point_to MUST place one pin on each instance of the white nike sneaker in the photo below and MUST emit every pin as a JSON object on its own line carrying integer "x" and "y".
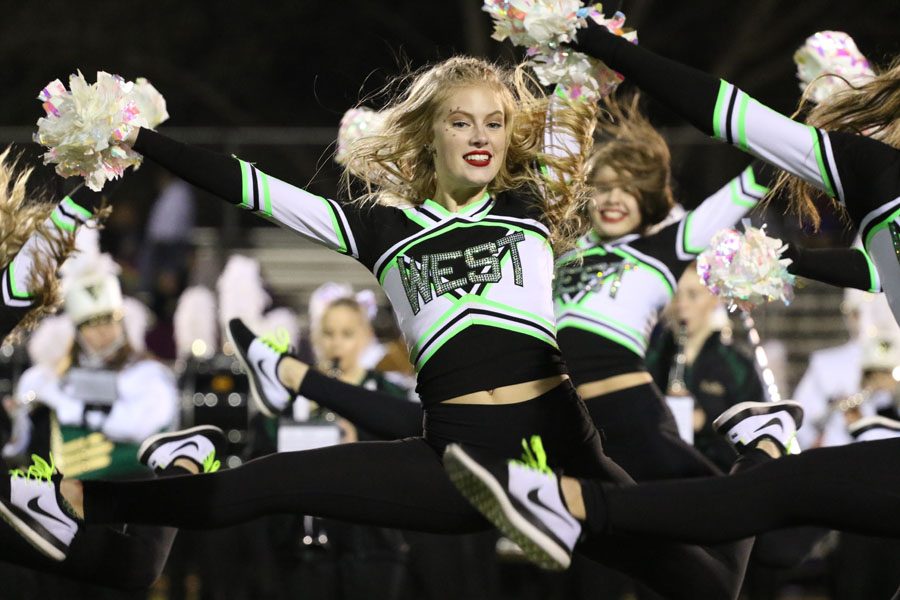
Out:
{"x": 260, "y": 357}
{"x": 34, "y": 507}
{"x": 198, "y": 444}
{"x": 521, "y": 498}
{"x": 747, "y": 423}
{"x": 870, "y": 429}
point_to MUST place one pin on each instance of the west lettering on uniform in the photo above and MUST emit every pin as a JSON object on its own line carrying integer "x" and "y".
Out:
{"x": 433, "y": 274}
{"x": 578, "y": 278}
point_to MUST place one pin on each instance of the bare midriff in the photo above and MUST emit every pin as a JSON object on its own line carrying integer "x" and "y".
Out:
{"x": 511, "y": 394}
{"x": 610, "y": 385}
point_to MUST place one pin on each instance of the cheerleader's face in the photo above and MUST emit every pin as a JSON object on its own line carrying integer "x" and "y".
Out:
{"x": 469, "y": 144}
{"x": 694, "y": 304}
{"x": 343, "y": 336}
{"x": 98, "y": 335}
{"x": 614, "y": 211}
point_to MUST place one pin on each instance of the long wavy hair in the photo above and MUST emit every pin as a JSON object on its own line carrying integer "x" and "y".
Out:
{"x": 23, "y": 214}
{"x": 637, "y": 153}
{"x": 396, "y": 167}
{"x": 871, "y": 109}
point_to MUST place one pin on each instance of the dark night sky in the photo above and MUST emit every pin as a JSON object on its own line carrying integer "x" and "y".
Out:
{"x": 303, "y": 63}
{"x": 229, "y": 63}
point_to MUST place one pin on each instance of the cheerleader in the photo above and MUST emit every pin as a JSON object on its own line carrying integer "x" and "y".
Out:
{"x": 852, "y": 488}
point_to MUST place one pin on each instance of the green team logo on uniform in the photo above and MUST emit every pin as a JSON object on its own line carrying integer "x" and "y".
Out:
{"x": 438, "y": 274}
{"x": 573, "y": 281}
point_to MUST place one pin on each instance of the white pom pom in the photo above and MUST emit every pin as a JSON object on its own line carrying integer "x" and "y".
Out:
{"x": 150, "y": 104}
{"x": 542, "y": 26}
{"x": 196, "y": 329}
{"x": 241, "y": 293}
{"x": 86, "y": 128}
{"x": 532, "y": 23}
{"x": 51, "y": 341}
{"x": 356, "y": 123}
{"x": 136, "y": 320}
{"x": 746, "y": 269}
{"x": 830, "y": 53}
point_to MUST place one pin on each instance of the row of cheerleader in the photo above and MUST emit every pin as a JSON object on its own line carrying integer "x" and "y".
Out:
{"x": 527, "y": 240}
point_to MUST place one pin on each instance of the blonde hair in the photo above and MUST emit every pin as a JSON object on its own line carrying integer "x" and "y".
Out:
{"x": 396, "y": 166}
{"x": 23, "y": 215}
{"x": 871, "y": 109}
{"x": 639, "y": 155}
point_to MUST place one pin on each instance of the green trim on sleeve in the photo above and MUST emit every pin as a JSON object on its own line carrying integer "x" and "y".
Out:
{"x": 721, "y": 101}
{"x": 753, "y": 184}
{"x": 76, "y": 208}
{"x": 686, "y": 238}
{"x": 267, "y": 198}
{"x": 342, "y": 246}
{"x": 18, "y": 294}
{"x": 246, "y": 183}
{"x": 823, "y": 173}
{"x": 874, "y": 280}
{"x": 737, "y": 198}
{"x": 60, "y": 222}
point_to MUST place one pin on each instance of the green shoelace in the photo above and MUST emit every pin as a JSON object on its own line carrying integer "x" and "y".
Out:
{"x": 211, "y": 464}
{"x": 534, "y": 456}
{"x": 40, "y": 469}
{"x": 278, "y": 340}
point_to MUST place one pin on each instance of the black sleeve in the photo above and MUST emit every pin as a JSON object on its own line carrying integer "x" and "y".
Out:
{"x": 216, "y": 173}
{"x": 345, "y": 228}
{"x": 841, "y": 267}
{"x": 860, "y": 171}
{"x": 687, "y": 91}
{"x": 384, "y": 415}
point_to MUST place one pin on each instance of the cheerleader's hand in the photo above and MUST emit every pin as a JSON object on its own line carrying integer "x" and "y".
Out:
{"x": 591, "y": 39}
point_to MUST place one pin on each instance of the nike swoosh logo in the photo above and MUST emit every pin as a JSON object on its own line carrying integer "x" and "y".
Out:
{"x": 35, "y": 507}
{"x": 186, "y": 444}
{"x": 533, "y": 497}
{"x": 772, "y": 421}
{"x": 259, "y": 367}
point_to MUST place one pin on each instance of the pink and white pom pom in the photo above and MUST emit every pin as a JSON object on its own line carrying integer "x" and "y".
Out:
{"x": 746, "y": 269}
{"x": 830, "y": 53}
{"x": 542, "y": 26}
{"x": 150, "y": 104}
{"x": 356, "y": 124}
{"x": 87, "y": 127}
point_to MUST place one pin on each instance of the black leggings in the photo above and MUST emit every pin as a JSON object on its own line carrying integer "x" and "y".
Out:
{"x": 641, "y": 436}
{"x": 398, "y": 484}
{"x": 402, "y": 484}
{"x": 852, "y": 488}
